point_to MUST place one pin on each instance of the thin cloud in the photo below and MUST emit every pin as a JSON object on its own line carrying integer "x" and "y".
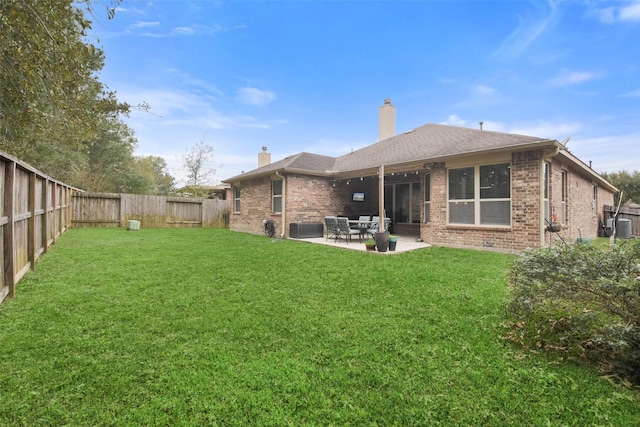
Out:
{"x": 484, "y": 90}
{"x": 598, "y": 150}
{"x": 254, "y": 96}
{"x": 527, "y": 31}
{"x": 545, "y": 129}
{"x": 145, "y": 24}
{"x": 629, "y": 12}
{"x": 632, "y": 94}
{"x": 183, "y": 31}
{"x": 568, "y": 77}
{"x": 454, "y": 120}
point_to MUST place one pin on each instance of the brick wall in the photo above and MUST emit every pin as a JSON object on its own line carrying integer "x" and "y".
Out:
{"x": 307, "y": 199}
{"x": 310, "y": 199}
{"x": 527, "y": 212}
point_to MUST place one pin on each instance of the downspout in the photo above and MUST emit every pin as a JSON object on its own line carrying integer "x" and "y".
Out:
{"x": 542, "y": 225}
{"x": 284, "y": 210}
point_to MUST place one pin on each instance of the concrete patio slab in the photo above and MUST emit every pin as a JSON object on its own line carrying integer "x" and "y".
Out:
{"x": 405, "y": 244}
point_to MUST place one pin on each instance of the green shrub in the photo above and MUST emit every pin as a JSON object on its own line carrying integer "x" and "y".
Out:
{"x": 580, "y": 301}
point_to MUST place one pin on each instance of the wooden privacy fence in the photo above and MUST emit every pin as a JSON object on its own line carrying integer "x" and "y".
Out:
{"x": 632, "y": 215}
{"x": 115, "y": 210}
{"x": 35, "y": 211}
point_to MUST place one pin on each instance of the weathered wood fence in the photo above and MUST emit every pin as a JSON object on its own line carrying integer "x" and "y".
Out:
{"x": 625, "y": 213}
{"x": 35, "y": 210}
{"x": 115, "y": 210}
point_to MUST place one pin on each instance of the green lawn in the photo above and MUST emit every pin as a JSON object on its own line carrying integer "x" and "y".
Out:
{"x": 210, "y": 327}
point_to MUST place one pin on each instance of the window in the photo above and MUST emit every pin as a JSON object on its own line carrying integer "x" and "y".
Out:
{"x": 427, "y": 197}
{"x": 461, "y": 196}
{"x": 236, "y": 199}
{"x": 276, "y": 196}
{"x": 480, "y": 195}
{"x": 547, "y": 208}
{"x": 563, "y": 206}
{"x": 594, "y": 202}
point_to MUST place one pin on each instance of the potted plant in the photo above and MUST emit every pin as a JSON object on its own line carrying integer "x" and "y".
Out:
{"x": 382, "y": 240}
{"x": 370, "y": 244}
{"x": 393, "y": 240}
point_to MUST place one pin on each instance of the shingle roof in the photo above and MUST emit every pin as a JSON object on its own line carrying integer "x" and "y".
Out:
{"x": 428, "y": 142}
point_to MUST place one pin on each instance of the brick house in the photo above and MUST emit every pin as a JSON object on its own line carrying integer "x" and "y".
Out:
{"x": 449, "y": 186}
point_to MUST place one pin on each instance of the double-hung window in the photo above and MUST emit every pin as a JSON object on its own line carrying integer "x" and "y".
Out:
{"x": 276, "y": 196}
{"x": 547, "y": 184}
{"x": 563, "y": 206}
{"x": 236, "y": 199}
{"x": 480, "y": 195}
{"x": 427, "y": 198}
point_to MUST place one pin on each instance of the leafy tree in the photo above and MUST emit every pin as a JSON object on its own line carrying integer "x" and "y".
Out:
{"x": 199, "y": 163}
{"x": 51, "y": 101}
{"x": 153, "y": 170}
{"x": 629, "y": 183}
{"x": 108, "y": 160}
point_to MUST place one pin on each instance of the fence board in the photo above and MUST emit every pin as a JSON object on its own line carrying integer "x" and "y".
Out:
{"x": 625, "y": 213}
{"x": 115, "y": 210}
{"x": 31, "y": 218}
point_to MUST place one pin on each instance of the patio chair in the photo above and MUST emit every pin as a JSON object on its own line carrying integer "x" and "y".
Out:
{"x": 332, "y": 227}
{"x": 373, "y": 229}
{"x": 363, "y": 221}
{"x": 345, "y": 230}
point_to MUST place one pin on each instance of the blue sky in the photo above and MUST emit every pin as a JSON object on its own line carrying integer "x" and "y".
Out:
{"x": 310, "y": 75}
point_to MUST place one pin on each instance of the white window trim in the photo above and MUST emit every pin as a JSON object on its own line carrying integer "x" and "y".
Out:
{"x": 276, "y": 196}
{"x": 477, "y": 200}
{"x": 237, "y": 199}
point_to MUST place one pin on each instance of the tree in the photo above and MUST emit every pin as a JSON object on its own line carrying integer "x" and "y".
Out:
{"x": 153, "y": 170}
{"x": 199, "y": 163}
{"x": 108, "y": 160}
{"x": 628, "y": 183}
{"x": 51, "y": 100}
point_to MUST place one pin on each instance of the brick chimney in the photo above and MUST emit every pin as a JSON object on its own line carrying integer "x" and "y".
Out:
{"x": 264, "y": 158}
{"x": 386, "y": 120}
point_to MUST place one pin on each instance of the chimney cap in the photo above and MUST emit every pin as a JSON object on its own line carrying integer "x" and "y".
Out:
{"x": 264, "y": 148}
{"x": 387, "y": 101}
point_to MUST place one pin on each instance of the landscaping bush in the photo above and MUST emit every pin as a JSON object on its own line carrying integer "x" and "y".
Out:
{"x": 580, "y": 302}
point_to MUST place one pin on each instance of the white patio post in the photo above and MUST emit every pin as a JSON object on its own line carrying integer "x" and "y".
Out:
{"x": 381, "y": 198}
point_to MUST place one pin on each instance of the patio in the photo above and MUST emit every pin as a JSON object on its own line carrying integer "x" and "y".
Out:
{"x": 405, "y": 244}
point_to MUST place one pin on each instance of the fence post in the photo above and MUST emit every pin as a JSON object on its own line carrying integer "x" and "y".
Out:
{"x": 31, "y": 244}
{"x": 9, "y": 197}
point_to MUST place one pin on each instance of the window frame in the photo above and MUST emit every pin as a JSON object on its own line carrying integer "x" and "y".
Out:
{"x": 237, "y": 197}
{"x": 276, "y": 199}
{"x": 470, "y": 209}
{"x": 546, "y": 186}
{"x": 563, "y": 198}
{"x": 427, "y": 198}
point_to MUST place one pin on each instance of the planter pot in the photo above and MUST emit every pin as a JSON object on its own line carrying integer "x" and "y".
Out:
{"x": 554, "y": 227}
{"x": 382, "y": 241}
{"x": 371, "y": 247}
{"x": 392, "y": 244}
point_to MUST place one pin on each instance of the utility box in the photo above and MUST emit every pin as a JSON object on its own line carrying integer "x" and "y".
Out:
{"x": 305, "y": 230}
{"x": 133, "y": 225}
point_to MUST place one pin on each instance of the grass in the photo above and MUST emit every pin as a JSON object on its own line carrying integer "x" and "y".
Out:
{"x": 210, "y": 327}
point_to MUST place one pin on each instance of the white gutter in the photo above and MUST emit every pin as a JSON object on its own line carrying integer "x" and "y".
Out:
{"x": 284, "y": 210}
